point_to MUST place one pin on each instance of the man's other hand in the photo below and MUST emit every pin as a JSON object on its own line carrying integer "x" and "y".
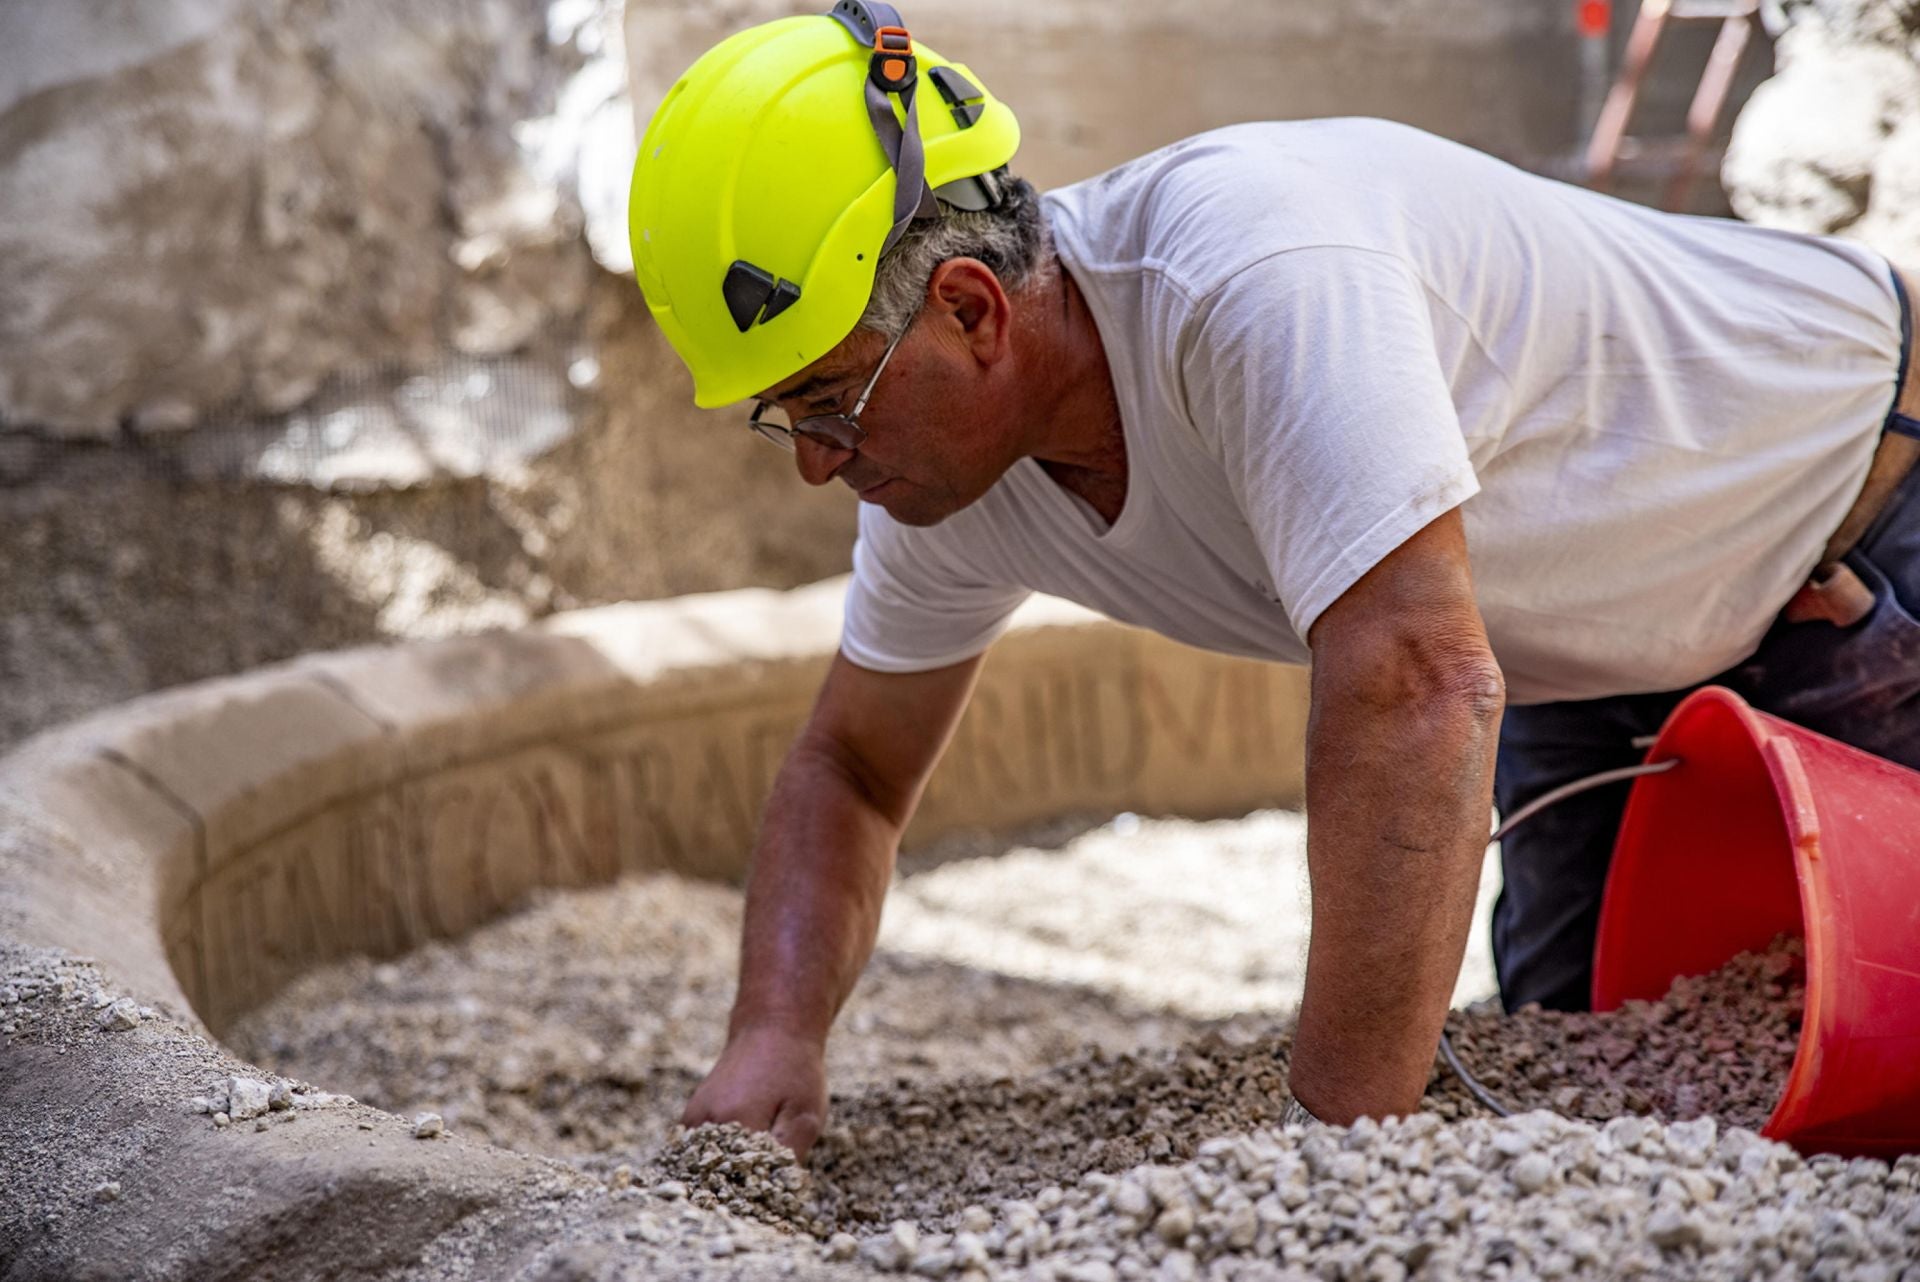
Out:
{"x": 767, "y": 1080}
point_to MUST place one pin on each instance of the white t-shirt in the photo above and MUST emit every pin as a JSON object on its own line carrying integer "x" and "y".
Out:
{"x": 1325, "y": 334}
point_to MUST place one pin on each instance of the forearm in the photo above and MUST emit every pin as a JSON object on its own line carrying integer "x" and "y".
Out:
{"x": 1398, "y": 794}
{"x": 820, "y": 874}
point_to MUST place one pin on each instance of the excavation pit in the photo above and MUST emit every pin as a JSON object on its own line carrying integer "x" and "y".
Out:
{"x": 577, "y": 1030}
{"x": 427, "y": 836}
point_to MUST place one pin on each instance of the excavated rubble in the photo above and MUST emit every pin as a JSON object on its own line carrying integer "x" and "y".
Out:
{"x": 924, "y": 1154}
{"x": 1535, "y": 1195}
{"x": 1153, "y": 1152}
{"x": 1716, "y": 1045}
{"x": 579, "y": 1027}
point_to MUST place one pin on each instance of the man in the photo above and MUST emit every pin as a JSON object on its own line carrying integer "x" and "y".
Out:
{"x": 1516, "y": 464}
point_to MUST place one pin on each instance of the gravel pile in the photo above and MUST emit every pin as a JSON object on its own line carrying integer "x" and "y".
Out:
{"x": 579, "y": 1027}
{"x": 924, "y": 1153}
{"x": 747, "y": 1172}
{"x": 986, "y": 1126}
{"x": 1536, "y": 1195}
{"x": 1716, "y": 1045}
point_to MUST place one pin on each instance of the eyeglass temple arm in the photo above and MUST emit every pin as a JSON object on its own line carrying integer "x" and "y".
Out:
{"x": 867, "y": 392}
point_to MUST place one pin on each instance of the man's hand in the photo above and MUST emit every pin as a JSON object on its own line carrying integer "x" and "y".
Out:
{"x": 1407, "y": 702}
{"x": 842, "y": 797}
{"x": 767, "y": 1080}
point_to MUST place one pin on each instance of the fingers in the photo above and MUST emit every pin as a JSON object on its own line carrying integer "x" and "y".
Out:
{"x": 797, "y": 1126}
{"x": 792, "y": 1123}
{"x": 774, "y": 1083}
{"x": 712, "y": 1103}
{"x": 696, "y": 1112}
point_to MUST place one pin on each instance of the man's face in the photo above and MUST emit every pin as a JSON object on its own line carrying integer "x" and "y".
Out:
{"x": 936, "y": 436}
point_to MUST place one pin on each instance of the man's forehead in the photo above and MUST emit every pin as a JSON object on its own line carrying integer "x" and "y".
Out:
{"x": 845, "y": 361}
{"x": 822, "y": 373}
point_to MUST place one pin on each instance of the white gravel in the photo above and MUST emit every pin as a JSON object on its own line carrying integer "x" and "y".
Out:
{"x": 1536, "y": 1195}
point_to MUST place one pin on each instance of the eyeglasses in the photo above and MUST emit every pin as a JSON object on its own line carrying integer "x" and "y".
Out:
{"x": 835, "y": 431}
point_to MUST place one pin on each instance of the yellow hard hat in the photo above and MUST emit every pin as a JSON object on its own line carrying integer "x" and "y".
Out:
{"x": 779, "y": 168}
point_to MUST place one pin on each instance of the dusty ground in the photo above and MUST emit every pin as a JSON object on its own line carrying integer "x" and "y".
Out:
{"x": 1051, "y": 1111}
{"x": 580, "y": 1026}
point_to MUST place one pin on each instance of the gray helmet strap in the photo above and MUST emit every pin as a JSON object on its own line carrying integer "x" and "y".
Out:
{"x": 913, "y": 199}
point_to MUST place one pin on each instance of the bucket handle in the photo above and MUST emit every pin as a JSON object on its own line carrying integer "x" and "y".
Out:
{"x": 1565, "y": 790}
{"x": 1508, "y": 824}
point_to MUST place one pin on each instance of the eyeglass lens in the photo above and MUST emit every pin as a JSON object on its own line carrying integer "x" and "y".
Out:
{"x": 836, "y": 431}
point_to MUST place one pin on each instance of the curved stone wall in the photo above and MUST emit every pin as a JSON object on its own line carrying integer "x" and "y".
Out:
{"x": 203, "y": 846}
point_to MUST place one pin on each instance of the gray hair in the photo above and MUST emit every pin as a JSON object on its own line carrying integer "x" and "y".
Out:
{"x": 1009, "y": 236}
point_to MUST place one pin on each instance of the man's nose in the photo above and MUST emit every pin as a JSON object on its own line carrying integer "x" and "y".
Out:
{"x": 818, "y": 463}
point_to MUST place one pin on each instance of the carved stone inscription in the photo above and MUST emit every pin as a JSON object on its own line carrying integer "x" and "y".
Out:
{"x": 1124, "y": 721}
{"x": 1146, "y": 725}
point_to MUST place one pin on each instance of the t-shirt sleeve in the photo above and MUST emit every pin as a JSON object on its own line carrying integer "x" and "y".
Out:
{"x": 913, "y": 604}
{"x": 1314, "y": 374}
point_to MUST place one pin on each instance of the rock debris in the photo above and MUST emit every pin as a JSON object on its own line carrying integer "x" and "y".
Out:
{"x": 1420, "y": 1197}
{"x": 121, "y": 1015}
{"x": 238, "y": 1098}
{"x": 1632, "y": 1152}
{"x": 1717, "y": 1045}
{"x": 747, "y": 1172}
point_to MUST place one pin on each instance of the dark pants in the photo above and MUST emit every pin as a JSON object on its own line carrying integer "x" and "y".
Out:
{"x": 1858, "y": 684}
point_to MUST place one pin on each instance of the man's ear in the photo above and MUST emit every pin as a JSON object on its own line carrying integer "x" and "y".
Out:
{"x": 968, "y": 293}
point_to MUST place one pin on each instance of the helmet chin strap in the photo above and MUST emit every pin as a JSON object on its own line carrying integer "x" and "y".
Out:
{"x": 892, "y": 73}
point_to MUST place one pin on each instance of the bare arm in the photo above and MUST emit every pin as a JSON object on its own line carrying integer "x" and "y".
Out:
{"x": 1407, "y": 701}
{"x": 820, "y": 872}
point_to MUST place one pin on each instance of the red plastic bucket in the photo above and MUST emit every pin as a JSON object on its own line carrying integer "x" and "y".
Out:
{"x": 1763, "y": 829}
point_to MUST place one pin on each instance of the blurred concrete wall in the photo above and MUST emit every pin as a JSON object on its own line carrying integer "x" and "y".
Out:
{"x": 1095, "y": 82}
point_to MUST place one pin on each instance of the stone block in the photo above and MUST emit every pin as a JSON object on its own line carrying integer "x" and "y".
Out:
{"x": 249, "y": 754}
{"x": 368, "y": 801}
{"x": 96, "y": 860}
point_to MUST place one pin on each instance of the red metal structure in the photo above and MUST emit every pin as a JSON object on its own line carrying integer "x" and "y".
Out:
{"x": 1681, "y": 157}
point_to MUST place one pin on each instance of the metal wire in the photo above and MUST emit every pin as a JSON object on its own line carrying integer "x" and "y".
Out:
{"x": 1578, "y": 786}
{"x": 1471, "y": 1082}
{"x": 1520, "y": 816}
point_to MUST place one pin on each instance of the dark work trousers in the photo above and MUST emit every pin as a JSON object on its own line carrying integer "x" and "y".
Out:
{"x": 1858, "y": 684}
